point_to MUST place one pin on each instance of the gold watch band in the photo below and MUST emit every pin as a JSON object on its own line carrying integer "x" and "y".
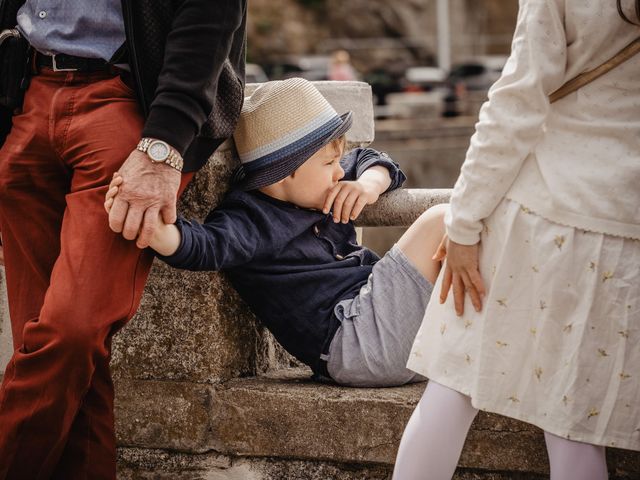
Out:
{"x": 173, "y": 159}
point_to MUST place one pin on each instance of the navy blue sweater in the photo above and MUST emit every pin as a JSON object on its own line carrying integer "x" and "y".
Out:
{"x": 291, "y": 265}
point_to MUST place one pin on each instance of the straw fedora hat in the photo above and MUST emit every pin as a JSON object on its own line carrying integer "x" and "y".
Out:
{"x": 281, "y": 125}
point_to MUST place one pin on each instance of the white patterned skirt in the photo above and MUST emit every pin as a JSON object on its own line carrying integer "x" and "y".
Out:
{"x": 557, "y": 343}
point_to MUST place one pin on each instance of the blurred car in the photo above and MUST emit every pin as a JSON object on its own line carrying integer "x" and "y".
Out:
{"x": 311, "y": 67}
{"x": 254, "y": 73}
{"x": 424, "y": 79}
{"x": 479, "y": 73}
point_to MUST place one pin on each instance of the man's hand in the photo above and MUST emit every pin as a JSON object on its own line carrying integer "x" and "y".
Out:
{"x": 148, "y": 189}
{"x": 461, "y": 271}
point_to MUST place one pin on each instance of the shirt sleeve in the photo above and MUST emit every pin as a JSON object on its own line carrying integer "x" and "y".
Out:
{"x": 195, "y": 53}
{"x": 357, "y": 161}
{"x": 227, "y": 238}
{"x": 512, "y": 121}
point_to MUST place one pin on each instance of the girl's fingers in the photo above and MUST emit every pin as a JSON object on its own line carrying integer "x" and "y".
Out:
{"x": 470, "y": 288}
{"x": 446, "y": 284}
{"x": 441, "y": 251}
{"x": 478, "y": 283}
{"x": 458, "y": 293}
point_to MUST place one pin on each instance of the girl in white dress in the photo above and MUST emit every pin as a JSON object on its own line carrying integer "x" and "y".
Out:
{"x": 543, "y": 255}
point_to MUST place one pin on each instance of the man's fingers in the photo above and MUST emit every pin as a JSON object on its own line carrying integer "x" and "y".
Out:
{"x": 357, "y": 208}
{"x": 132, "y": 223}
{"x": 118, "y": 214}
{"x": 330, "y": 197}
{"x": 149, "y": 225}
{"x": 168, "y": 213}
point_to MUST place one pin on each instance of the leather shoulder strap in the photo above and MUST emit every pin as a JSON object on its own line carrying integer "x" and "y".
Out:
{"x": 587, "y": 77}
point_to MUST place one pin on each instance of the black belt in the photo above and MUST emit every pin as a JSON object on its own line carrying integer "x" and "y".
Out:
{"x": 69, "y": 63}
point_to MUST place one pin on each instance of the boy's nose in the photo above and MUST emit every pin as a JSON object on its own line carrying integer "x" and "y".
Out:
{"x": 338, "y": 172}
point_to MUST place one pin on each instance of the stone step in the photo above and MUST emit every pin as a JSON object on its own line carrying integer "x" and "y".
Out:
{"x": 286, "y": 417}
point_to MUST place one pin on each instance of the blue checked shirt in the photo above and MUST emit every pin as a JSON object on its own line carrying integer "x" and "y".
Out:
{"x": 85, "y": 29}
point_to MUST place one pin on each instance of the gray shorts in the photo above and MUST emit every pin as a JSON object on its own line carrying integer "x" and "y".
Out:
{"x": 372, "y": 345}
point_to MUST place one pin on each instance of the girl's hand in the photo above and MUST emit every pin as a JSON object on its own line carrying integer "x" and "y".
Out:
{"x": 116, "y": 181}
{"x": 347, "y": 199}
{"x": 461, "y": 271}
{"x": 441, "y": 251}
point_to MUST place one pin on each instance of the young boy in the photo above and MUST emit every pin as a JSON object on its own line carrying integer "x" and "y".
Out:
{"x": 284, "y": 237}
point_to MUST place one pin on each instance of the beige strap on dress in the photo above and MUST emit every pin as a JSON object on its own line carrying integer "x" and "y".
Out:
{"x": 587, "y": 77}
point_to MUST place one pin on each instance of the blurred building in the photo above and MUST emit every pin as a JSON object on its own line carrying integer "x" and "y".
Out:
{"x": 377, "y": 33}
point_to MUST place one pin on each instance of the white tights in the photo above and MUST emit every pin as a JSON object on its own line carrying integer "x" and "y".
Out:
{"x": 436, "y": 432}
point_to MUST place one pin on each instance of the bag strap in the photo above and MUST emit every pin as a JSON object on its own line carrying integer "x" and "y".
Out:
{"x": 587, "y": 77}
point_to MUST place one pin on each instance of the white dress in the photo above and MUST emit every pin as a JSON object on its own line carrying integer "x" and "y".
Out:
{"x": 556, "y": 343}
{"x": 553, "y": 193}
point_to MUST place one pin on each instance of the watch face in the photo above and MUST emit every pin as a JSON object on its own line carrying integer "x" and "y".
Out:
{"x": 158, "y": 151}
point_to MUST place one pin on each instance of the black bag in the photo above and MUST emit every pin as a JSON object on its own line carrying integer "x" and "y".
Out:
{"x": 14, "y": 68}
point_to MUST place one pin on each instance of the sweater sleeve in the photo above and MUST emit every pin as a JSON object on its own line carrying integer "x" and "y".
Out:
{"x": 227, "y": 238}
{"x": 512, "y": 121}
{"x": 201, "y": 34}
{"x": 358, "y": 160}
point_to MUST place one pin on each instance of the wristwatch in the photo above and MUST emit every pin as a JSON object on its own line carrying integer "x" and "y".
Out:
{"x": 161, "y": 152}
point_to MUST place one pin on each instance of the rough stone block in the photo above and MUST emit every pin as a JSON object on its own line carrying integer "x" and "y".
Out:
{"x": 285, "y": 415}
{"x": 6, "y": 345}
{"x": 166, "y": 415}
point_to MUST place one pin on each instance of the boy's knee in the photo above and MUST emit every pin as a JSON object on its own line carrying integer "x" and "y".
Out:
{"x": 435, "y": 215}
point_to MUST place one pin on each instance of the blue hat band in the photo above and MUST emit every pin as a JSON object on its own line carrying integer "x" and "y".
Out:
{"x": 291, "y": 149}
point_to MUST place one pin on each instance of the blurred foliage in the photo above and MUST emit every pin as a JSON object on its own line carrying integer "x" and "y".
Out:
{"x": 313, "y": 4}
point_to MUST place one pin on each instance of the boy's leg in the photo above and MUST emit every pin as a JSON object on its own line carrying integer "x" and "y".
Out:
{"x": 569, "y": 459}
{"x": 372, "y": 346}
{"x": 420, "y": 242}
{"x": 434, "y": 437}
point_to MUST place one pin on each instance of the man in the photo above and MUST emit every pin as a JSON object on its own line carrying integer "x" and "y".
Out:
{"x": 148, "y": 88}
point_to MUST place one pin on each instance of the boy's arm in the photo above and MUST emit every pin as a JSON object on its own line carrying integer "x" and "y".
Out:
{"x": 227, "y": 238}
{"x": 368, "y": 174}
{"x": 357, "y": 162}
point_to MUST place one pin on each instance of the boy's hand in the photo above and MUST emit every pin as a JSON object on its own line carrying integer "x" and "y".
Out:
{"x": 347, "y": 199}
{"x": 116, "y": 181}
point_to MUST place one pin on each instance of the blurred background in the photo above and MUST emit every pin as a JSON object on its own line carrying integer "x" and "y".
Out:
{"x": 429, "y": 64}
